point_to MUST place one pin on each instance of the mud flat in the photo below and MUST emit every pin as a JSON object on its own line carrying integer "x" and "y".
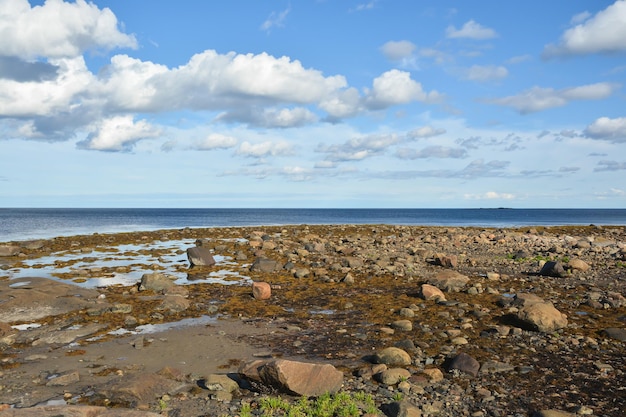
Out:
{"x": 446, "y": 321}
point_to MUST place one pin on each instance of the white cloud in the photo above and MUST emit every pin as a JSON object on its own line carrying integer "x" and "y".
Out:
{"x": 217, "y": 81}
{"x": 602, "y": 33}
{"x": 425, "y": 132}
{"x": 261, "y": 150}
{"x": 613, "y": 130}
{"x": 471, "y": 30}
{"x": 342, "y": 104}
{"x": 216, "y": 141}
{"x": 275, "y": 19}
{"x": 58, "y": 29}
{"x": 490, "y": 195}
{"x": 519, "y": 59}
{"x": 49, "y": 96}
{"x": 119, "y": 133}
{"x": 431, "y": 152}
{"x": 538, "y": 98}
{"x": 359, "y": 148}
{"x": 580, "y": 17}
{"x": 298, "y": 116}
{"x": 365, "y": 6}
{"x": 398, "y": 50}
{"x": 483, "y": 73}
{"x": 396, "y": 87}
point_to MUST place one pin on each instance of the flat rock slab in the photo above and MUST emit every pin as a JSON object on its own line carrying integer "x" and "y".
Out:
{"x": 27, "y": 299}
{"x": 74, "y": 411}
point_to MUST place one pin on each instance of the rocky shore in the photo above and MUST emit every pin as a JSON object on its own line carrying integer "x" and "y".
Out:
{"x": 429, "y": 321}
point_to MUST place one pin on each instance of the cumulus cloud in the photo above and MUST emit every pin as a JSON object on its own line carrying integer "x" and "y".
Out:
{"x": 482, "y": 73}
{"x": 538, "y": 98}
{"x": 216, "y": 141}
{"x": 271, "y": 117}
{"x": 263, "y": 149}
{"x": 431, "y": 152}
{"x": 48, "y": 96}
{"x": 30, "y": 32}
{"x": 342, "y": 104}
{"x": 605, "y": 32}
{"x": 604, "y": 128}
{"x": 359, "y": 148}
{"x": 398, "y": 50}
{"x": 425, "y": 132}
{"x": 119, "y": 133}
{"x": 471, "y": 30}
{"x": 397, "y": 87}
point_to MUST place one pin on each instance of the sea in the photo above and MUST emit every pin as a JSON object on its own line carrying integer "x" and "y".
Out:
{"x": 17, "y": 224}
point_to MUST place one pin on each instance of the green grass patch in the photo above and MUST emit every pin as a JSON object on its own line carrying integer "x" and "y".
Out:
{"x": 342, "y": 404}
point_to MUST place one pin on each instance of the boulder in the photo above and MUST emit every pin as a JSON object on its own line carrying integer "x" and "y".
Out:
{"x": 301, "y": 378}
{"x": 74, "y": 411}
{"x": 430, "y": 292}
{"x": 553, "y": 269}
{"x": 264, "y": 265}
{"x": 200, "y": 256}
{"x": 393, "y": 356}
{"x": 447, "y": 261}
{"x": 261, "y": 290}
{"x": 543, "y": 317}
{"x": 448, "y": 280}
{"x": 393, "y": 376}
{"x": 9, "y": 250}
{"x": 578, "y": 265}
{"x": 552, "y": 413}
{"x": 615, "y": 333}
{"x": 464, "y": 363}
{"x": 136, "y": 390}
{"x": 156, "y": 282}
{"x": 402, "y": 408}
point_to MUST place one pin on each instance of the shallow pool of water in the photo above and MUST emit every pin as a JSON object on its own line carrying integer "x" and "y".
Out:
{"x": 125, "y": 265}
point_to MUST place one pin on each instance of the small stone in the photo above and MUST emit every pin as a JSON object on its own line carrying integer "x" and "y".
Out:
{"x": 393, "y": 376}
{"x": 261, "y": 290}
{"x": 393, "y": 356}
{"x": 403, "y": 325}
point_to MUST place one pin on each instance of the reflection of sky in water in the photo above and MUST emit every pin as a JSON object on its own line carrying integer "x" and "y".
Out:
{"x": 169, "y": 255}
{"x": 161, "y": 327}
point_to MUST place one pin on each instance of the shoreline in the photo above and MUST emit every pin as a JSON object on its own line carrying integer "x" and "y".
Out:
{"x": 339, "y": 293}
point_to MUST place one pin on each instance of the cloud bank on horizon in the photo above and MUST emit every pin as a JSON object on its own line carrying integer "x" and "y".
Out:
{"x": 312, "y": 104}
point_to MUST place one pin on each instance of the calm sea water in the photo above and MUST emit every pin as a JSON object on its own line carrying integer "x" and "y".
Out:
{"x": 24, "y": 224}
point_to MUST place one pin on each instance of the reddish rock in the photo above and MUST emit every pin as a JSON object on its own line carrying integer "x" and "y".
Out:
{"x": 302, "y": 378}
{"x": 449, "y": 281}
{"x": 261, "y": 290}
{"x": 430, "y": 292}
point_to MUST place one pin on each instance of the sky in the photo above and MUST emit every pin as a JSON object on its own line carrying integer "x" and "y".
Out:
{"x": 313, "y": 103}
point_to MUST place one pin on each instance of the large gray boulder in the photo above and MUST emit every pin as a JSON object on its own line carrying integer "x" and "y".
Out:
{"x": 9, "y": 250}
{"x": 200, "y": 256}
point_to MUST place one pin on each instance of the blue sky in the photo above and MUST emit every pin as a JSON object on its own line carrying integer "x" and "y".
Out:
{"x": 314, "y": 103}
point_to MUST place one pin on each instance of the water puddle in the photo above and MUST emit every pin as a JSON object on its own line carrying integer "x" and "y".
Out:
{"x": 162, "y": 327}
{"x": 125, "y": 265}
